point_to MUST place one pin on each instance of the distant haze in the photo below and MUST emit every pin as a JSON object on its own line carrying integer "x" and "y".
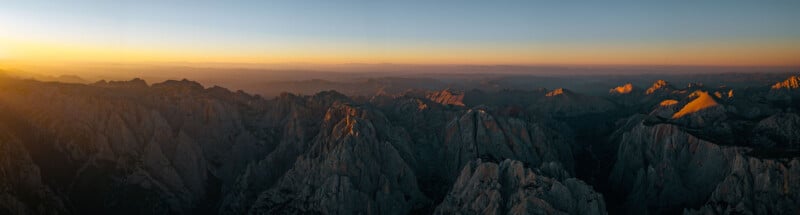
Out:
{"x": 371, "y": 79}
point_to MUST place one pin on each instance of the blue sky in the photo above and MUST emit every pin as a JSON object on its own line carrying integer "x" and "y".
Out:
{"x": 251, "y": 26}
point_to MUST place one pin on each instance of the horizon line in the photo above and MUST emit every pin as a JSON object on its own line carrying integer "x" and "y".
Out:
{"x": 256, "y": 65}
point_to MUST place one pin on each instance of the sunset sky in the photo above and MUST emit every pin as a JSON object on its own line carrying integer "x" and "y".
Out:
{"x": 403, "y": 32}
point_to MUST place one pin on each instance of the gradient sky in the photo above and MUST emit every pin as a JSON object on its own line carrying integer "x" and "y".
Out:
{"x": 403, "y": 32}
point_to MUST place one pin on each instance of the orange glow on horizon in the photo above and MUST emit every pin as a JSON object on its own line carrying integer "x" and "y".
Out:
{"x": 722, "y": 54}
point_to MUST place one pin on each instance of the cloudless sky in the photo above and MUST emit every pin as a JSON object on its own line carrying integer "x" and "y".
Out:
{"x": 424, "y": 32}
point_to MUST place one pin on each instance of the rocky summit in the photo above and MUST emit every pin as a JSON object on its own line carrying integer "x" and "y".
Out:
{"x": 179, "y": 147}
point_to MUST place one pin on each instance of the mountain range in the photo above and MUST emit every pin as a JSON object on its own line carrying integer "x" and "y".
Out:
{"x": 178, "y": 147}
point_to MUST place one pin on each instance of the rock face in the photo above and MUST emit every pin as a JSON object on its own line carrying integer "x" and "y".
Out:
{"x": 447, "y": 97}
{"x": 479, "y": 134}
{"x": 756, "y": 186}
{"x": 296, "y": 122}
{"x": 425, "y": 123}
{"x": 663, "y": 167}
{"x": 352, "y": 168}
{"x": 102, "y": 145}
{"x": 510, "y": 188}
{"x": 95, "y": 138}
{"x": 781, "y": 130}
{"x": 21, "y": 188}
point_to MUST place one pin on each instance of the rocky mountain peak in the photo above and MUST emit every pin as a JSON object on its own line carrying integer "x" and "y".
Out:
{"x": 349, "y": 169}
{"x": 349, "y": 119}
{"x": 508, "y": 187}
{"x": 447, "y": 97}
{"x": 557, "y": 92}
{"x": 330, "y": 97}
{"x": 723, "y": 94}
{"x": 478, "y": 133}
{"x": 622, "y": 89}
{"x": 668, "y": 102}
{"x": 133, "y": 83}
{"x": 701, "y": 100}
{"x": 340, "y": 111}
{"x": 659, "y": 85}
{"x": 790, "y": 83}
{"x": 182, "y": 85}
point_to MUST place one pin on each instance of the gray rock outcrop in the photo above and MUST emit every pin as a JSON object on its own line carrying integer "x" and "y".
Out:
{"x": 480, "y": 134}
{"x": 353, "y": 167}
{"x": 511, "y": 188}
